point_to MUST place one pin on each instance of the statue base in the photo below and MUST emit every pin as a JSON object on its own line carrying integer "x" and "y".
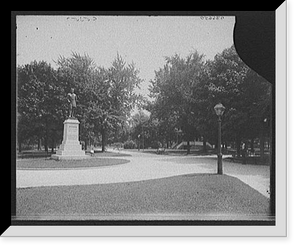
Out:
{"x": 70, "y": 148}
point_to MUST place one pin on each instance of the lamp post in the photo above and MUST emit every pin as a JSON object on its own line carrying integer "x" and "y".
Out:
{"x": 219, "y": 109}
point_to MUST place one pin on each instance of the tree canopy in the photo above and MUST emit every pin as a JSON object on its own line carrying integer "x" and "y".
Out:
{"x": 105, "y": 96}
{"x": 182, "y": 95}
{"x": 185, "y": 90}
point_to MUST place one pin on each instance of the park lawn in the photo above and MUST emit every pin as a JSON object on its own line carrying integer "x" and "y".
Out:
{"x": 194, "y": 194}
{"x": 47, "y": 163}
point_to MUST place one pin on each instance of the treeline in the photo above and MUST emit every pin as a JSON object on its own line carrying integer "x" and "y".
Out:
{"x": 183, "y": 94}
{"x": 105, "y": 99}
{"x": 185, "y": 91}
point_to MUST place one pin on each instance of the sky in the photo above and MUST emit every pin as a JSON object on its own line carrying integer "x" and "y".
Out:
{"x": 143, "y": 40}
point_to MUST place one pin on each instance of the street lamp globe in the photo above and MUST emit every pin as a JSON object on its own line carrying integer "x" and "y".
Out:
{"x": 219, "y": 109}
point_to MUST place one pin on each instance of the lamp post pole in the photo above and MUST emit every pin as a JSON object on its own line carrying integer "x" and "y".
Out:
{"x": 220, "y": 167}
{"x": 219, "y": 109}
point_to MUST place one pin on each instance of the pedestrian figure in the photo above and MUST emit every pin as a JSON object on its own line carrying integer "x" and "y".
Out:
{"x": 244, "y": 152}
{"x": 92, "y": 150}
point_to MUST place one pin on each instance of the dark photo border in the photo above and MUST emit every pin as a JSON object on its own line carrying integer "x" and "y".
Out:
{"x": 254, "y": 40}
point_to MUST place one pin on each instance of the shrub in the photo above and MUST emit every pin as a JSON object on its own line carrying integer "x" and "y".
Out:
{"x": 156, "y": 144}
{"x": 130, "y": 145}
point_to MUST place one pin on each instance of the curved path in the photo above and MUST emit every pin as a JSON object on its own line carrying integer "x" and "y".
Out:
{"x": 144, "y": 166}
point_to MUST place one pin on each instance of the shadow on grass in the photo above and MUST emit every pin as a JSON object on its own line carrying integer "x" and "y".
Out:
{"x": 110, "y": 154}
{"x": 191, "y": 160}
{"x": 178, "y": 152}
{"x": 49, "y": 164}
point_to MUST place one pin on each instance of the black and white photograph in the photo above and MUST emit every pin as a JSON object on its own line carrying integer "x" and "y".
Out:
{"x": 144, "y": 120}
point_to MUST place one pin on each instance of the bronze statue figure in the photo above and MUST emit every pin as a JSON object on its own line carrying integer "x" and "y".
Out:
{"x": 72, "y": 98}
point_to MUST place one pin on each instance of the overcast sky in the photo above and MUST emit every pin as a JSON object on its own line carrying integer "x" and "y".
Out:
{"x": 144, "y": 40}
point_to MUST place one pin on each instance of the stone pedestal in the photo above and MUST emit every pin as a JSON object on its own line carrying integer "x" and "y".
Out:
{"x": 70, "y": 148}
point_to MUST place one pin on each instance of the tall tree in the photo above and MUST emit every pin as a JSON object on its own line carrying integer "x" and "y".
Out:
{"x": 185, "y": 91}
{"x": 140, "y": 127}
{"x": 106, "y": 96}
{"x": 243, "y": 92}
{"x": 121, "y": 98}
{"x": 174, "y": 90}
{"x": 39, "y": 101}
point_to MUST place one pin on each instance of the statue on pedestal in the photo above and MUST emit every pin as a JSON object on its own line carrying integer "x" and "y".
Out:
{"x": 72, "y": 98}
{"x": 70, "y": 148}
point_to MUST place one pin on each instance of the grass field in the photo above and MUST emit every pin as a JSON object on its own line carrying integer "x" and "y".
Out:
{"x": 195, "y": 194}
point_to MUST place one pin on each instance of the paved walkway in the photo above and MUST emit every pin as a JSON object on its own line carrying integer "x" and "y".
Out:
{"x": 145, "y": 166}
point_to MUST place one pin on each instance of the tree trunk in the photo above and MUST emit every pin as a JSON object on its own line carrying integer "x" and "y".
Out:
{"x": 261, "y": 145}
{"x": 52, "y": 143}
{"x": 46, "y": 138}
{"x": 238, "y": 146}
{"x": 188, "y": 147}
{"x": 85, "y": 144}
{"x": 46, "y": 144}
{"x": 204, "y": 145}
{"x": 39, "y": 143}
{"x": 252, "y": 145}
{"x": 103, "y": 140}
